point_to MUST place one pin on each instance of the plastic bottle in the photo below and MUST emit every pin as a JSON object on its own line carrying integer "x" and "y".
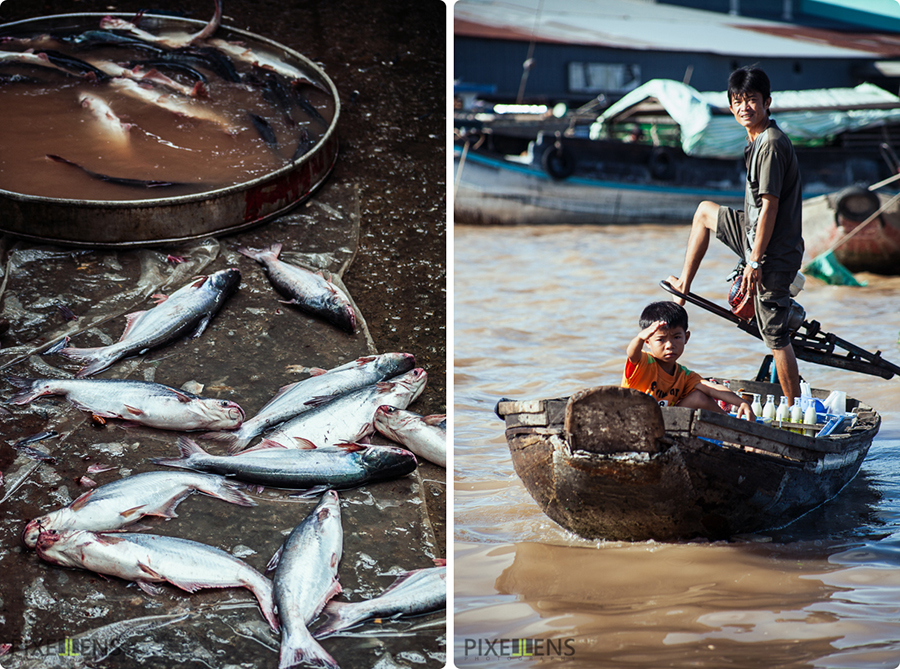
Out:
{"x": 809, "y": 418}
{"x": 756, "y": 405}
{"x": 768, "y": 411}
{"x": 796, "y": 415}
{"x": 783, "y": 411}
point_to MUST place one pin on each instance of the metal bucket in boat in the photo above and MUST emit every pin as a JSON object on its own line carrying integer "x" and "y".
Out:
{"x": 117, "y": 223}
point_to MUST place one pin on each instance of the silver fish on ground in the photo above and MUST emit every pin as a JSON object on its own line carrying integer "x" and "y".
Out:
{"x": 305, "y": 579}
{"x": 150, "y": 558}
{"x": 309, "y": 291}
{"x": 315, "y": 391}
{"x": 413, "y": 593}
{"x": 347, "y": 419}
{"x": 426, "y": 436}
{"x": 143, "y": 402}
{"x": 186, "y": 312}
{"x": 310, "y": 470}
{"x": 117, "y": 504}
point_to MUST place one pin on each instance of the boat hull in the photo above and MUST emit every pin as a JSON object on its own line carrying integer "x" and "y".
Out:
{"x": 496, "y": 192}
{"x": 680, "y": 484}
{"x": 874, "y": 248}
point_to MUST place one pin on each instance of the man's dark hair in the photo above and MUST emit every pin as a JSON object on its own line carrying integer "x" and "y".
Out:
{"x": 673, "y": 315}
{"x": 748, "y": 80}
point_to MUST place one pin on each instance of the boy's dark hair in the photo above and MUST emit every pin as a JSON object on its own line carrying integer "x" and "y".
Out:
{"x": 748, "y": 80}
{"x": 673, "y": 315}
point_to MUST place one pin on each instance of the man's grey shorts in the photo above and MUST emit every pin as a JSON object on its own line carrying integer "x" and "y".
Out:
{"x": 773, "y": 295}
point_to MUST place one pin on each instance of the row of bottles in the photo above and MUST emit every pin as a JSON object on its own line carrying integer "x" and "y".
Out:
{"x": 784, "y": 413}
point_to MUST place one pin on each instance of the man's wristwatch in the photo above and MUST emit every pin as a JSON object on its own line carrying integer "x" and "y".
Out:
{"x": 753, "y": 264}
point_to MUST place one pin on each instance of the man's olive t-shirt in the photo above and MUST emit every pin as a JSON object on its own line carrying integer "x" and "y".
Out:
{"x": 772, "y": 170}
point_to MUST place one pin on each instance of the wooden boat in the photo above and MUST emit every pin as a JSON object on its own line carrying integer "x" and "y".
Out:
{"x": 496, "y": 190}
{"x": 874, "y": 247}
{"x": 655, "y": 154}
{"x": 610, "y": 463}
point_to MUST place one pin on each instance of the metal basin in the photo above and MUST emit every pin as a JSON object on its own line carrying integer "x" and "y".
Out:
{"x": 106, "y": 223}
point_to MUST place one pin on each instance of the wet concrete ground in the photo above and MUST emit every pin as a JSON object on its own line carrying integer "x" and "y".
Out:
{"x": 387, "y": 62}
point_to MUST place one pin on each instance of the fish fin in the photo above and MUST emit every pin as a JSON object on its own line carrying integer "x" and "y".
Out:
{"x": 229, "y": 439}
{"x": 439, "y": 562}
{"x": 189, "y": 586}
{"x": 134, "y": 410}
{"x": 81, "y": 501}
{"x": 275, "y": 249}
{"x": 26, "y": 386}
{"x": 199, "y": 281}
{"x": 319, "y": 400}
{"x": 133, "y": 511}
{"x": 310, "y": 493}
{"x": 199, "y": 90}
{"x": 108, "y": 539}
{"x": 282, "y": 391}
{"x": 273, "y": 561}
{"x": 181, "y": 396}
{"x": 366, "y": 359}
{"x": 168, "y": 511}
{"x": 250, "y": 253}
{"x": 264, "y": 445}
{"x": 149, "y": 588}
{"x": 131, "y": 320}
{"x": 159, "y": 298}
{"x": 317, "y": 371}
{"x": 201, "y": 326}
{"x": 332, "y": 622}
{"x": 98, "y": 359}
{"x": 352, "y": 446}
{"x": 230, "y": 492}
{"x": 435, "y": 419}
{"x": 302, "y": 443}
{"x": 58, "y": 346}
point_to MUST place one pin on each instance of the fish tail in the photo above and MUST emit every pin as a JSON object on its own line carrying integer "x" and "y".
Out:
{"x": 97, "y": 359}
{"x": 27, "y": 388}
{"x": 187, "y": 447}
{"x": 333, "y": 622}
{"x": 304, "y": 651}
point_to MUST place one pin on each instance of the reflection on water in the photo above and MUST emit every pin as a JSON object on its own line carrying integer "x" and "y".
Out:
{"x": 542, "y": 312}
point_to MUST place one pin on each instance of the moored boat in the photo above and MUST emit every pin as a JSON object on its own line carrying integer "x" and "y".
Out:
{"x": 610, "y": 463}
{"x": 841, "y": 220}
{"x": 656, "y": 153}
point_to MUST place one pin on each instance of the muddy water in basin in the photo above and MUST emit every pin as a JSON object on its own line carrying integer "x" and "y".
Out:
{"x": 180, "y": 142}
{"x": 541, "y": 312}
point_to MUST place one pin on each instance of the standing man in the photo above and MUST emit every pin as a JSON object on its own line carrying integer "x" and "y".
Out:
{"x": 767, "y": 235}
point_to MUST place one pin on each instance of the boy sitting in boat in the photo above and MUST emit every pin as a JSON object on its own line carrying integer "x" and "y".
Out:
{"x": 664, "y": 329}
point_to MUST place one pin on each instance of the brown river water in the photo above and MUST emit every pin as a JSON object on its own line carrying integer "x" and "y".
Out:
{"x": 541, "y": 312}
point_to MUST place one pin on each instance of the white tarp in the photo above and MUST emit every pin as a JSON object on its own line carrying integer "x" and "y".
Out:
{"x": 709, "y": 130}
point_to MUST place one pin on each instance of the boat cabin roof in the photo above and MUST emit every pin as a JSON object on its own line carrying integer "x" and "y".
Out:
{"x": 707, "y": 128}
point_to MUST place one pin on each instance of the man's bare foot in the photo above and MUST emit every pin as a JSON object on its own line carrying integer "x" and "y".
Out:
{"x": 676, "y": 283}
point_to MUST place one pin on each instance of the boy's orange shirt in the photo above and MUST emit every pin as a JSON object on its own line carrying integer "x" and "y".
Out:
{"x": 648, "y": 377}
